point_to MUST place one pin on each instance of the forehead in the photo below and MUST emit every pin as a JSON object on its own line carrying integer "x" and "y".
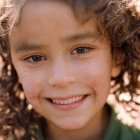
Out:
{"x": 42, "y": 21}
{"x": 53, "y": 8}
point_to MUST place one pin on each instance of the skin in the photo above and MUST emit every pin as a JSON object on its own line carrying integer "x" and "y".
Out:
{"x": 45, "y": 52}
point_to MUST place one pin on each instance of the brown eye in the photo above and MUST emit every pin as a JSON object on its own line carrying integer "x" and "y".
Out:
{"x": 35, "y": 58}
{"x": 81, "y": 50}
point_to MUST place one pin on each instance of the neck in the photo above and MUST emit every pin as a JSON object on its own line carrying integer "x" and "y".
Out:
{"x": 95, "y": 129}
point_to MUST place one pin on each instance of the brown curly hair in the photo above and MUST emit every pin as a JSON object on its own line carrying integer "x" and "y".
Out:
{"x": 117, "y": 20}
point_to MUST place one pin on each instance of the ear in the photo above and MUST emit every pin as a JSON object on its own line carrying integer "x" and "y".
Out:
{"x": 19, "y": 80}
{"x": 116, "y": 69}
{"x": 117, "y": 62}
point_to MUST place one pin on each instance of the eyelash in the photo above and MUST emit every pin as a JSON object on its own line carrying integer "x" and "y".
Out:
{"x": 82, "y": 51}
{"x": 38, "y": 57}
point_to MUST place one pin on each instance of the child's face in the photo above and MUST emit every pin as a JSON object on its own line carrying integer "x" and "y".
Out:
{"x": 64, "y": 69}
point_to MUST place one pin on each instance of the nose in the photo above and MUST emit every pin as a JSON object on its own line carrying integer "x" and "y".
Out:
{"x": 61, "y": 76}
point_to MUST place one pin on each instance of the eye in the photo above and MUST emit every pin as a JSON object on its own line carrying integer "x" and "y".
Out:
{"x": 35, "y": 58}
{"x": 81, "y": 50}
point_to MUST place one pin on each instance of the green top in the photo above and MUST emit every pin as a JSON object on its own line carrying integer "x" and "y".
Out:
{"x": 116, "y": 130}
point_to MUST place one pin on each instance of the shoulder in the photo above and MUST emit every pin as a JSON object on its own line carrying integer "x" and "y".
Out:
{"x": 129, "y": 132}
{"x": 116, "y": 130}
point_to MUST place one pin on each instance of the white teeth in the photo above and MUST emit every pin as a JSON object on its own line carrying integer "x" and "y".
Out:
{"x": 57, "y": 101}
{"x": 67, "y": 101}
{"x": 61, "y": 102}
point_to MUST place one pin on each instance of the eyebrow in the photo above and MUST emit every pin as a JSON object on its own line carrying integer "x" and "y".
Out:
{"x": 82, "y": 36}
{"x": 24, "y": 47}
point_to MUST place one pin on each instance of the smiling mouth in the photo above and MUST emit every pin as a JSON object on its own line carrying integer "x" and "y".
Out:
{"x": 67, "y": 101}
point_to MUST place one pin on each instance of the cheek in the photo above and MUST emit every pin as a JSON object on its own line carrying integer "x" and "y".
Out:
{"x": 33, "y": 89}
{"x": 97, "y": 76}
{"x": 32, "y": 84}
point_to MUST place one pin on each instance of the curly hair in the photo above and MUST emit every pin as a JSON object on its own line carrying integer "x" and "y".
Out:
{"x": 118, "y": 20}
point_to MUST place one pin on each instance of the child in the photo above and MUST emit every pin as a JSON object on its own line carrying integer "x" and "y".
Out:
{"x": 63, "y": 55}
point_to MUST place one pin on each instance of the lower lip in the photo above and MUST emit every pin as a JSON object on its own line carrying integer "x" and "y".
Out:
{"x": 68, "y": 106}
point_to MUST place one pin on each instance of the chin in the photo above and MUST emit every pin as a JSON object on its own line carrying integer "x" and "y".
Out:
{"x": 71, "y": 125}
